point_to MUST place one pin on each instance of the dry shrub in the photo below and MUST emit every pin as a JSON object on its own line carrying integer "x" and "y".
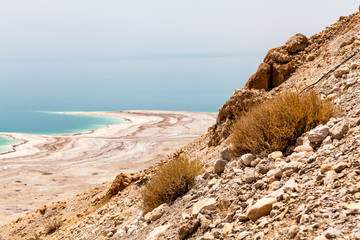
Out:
{"x": 275, "y": 124}
{"x": 51, "y": 226}
{"x": 172, "y": 180}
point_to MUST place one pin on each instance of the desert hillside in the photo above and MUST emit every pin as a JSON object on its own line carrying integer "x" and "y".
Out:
{"x": 310, "y": 190}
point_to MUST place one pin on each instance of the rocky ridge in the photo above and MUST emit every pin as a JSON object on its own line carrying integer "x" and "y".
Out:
{"x": 312, "y": 193}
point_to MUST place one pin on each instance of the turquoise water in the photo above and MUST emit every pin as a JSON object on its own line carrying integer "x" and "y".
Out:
{"x": 39, "y": 122}
{"x": 6, "y": 144}
{"x": 48, "y": 123}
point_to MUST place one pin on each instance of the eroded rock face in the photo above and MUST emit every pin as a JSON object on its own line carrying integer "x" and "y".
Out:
{"x": 280, "y": 72}
{"x": 121, "y": 181}
{"x": 278, "y": 64}
{"x": 260, "y": 80}
{"x": 296, "y": 43}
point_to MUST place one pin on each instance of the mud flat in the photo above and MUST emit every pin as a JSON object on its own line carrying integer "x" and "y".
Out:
{"x": 46, "y": 168}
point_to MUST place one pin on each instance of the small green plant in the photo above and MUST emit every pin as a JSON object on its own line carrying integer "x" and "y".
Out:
{"x": 275, "y": 124}
{"x": 172, "y": 180}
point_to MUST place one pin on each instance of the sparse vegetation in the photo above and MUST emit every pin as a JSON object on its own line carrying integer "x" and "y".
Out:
{"x": 275, "y": 124}
{"x": 172, "y": 180}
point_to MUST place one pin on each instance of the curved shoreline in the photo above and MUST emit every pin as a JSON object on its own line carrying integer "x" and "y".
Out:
{"x": 45, "y": 168}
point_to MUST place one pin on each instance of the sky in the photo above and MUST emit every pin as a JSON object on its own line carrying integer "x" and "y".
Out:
{"x": 123, "y": 54}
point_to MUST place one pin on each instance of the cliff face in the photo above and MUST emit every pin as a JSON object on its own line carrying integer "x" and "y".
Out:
{"x": 312, "y": 193}
{"x": 299, "y": 62}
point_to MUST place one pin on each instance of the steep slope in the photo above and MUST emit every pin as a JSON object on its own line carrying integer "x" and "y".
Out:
{"x": 312, "y": 193}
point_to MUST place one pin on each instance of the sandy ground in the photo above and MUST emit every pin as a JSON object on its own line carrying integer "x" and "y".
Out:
{"x": 47, "y": 168}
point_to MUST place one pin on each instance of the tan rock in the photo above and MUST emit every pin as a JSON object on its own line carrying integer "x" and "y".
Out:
{"x": 206, "y": 203}
{"x": 275, "y": 155}
{"x": 293, "y": 230}
{"x": 121, "y": 181}
{"x": 340, "y": 166}
{"x": 279, "y": 55}
{"x": 341, "y": 71}
{"x": 280, "y": 72}
{"x": 303, "y": 148}
{"x": 339, "y": 130}
{"x": 157, "y": 232}
{"x": 42, "y": 209}
{"x": 352, "y": 206}
{"x": 260, "y": 208}
{"x": 241, "y": 217}
{"x": 261, "y": 79}
{"x": 296, "y": 43}
{"x": 156, "y": 213}
{"x": 325, "y": 168}
{"x": 187, "y": 228}
{"x": 227, "y": 229}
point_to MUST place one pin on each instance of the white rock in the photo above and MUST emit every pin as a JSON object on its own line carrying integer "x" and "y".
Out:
{"x": 291, "y": 186}
{"x": 243, "y": 235}
{"x": 157, "y": 232}
{"x": 247, "y": 158}
{"x": 249, "y": 175}
{"x": 156, "y": 213}
{"x": 318, "y": 134}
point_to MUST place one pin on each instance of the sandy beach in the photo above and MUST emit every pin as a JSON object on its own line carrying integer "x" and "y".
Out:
{"x": 46, "y": 168}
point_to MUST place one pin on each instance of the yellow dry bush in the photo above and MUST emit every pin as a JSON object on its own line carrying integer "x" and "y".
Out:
{"x": 172, "y": 180}
{"x": 275, "y": 124}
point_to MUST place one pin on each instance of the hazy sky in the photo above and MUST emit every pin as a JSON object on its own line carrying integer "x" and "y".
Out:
{"x": 44, "y": 44}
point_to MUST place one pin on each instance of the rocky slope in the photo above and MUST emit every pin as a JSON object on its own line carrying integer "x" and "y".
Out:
{"x": 312, "y": 193}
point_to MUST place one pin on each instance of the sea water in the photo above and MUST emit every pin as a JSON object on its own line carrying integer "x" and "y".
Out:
{"x": 6, "y": 144}
{"x": 48, "y": 123}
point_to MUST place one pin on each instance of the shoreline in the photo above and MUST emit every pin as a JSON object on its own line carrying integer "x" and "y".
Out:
{"x": 9, "y": 135}
{"x": 46, "y": 168}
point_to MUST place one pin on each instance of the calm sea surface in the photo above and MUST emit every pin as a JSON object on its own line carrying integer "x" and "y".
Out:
{"x": 34, "y": 87}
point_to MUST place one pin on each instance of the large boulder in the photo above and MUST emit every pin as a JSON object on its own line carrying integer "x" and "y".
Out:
{"x": 261, "y": 79}
{"x": 296, "y": 43}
